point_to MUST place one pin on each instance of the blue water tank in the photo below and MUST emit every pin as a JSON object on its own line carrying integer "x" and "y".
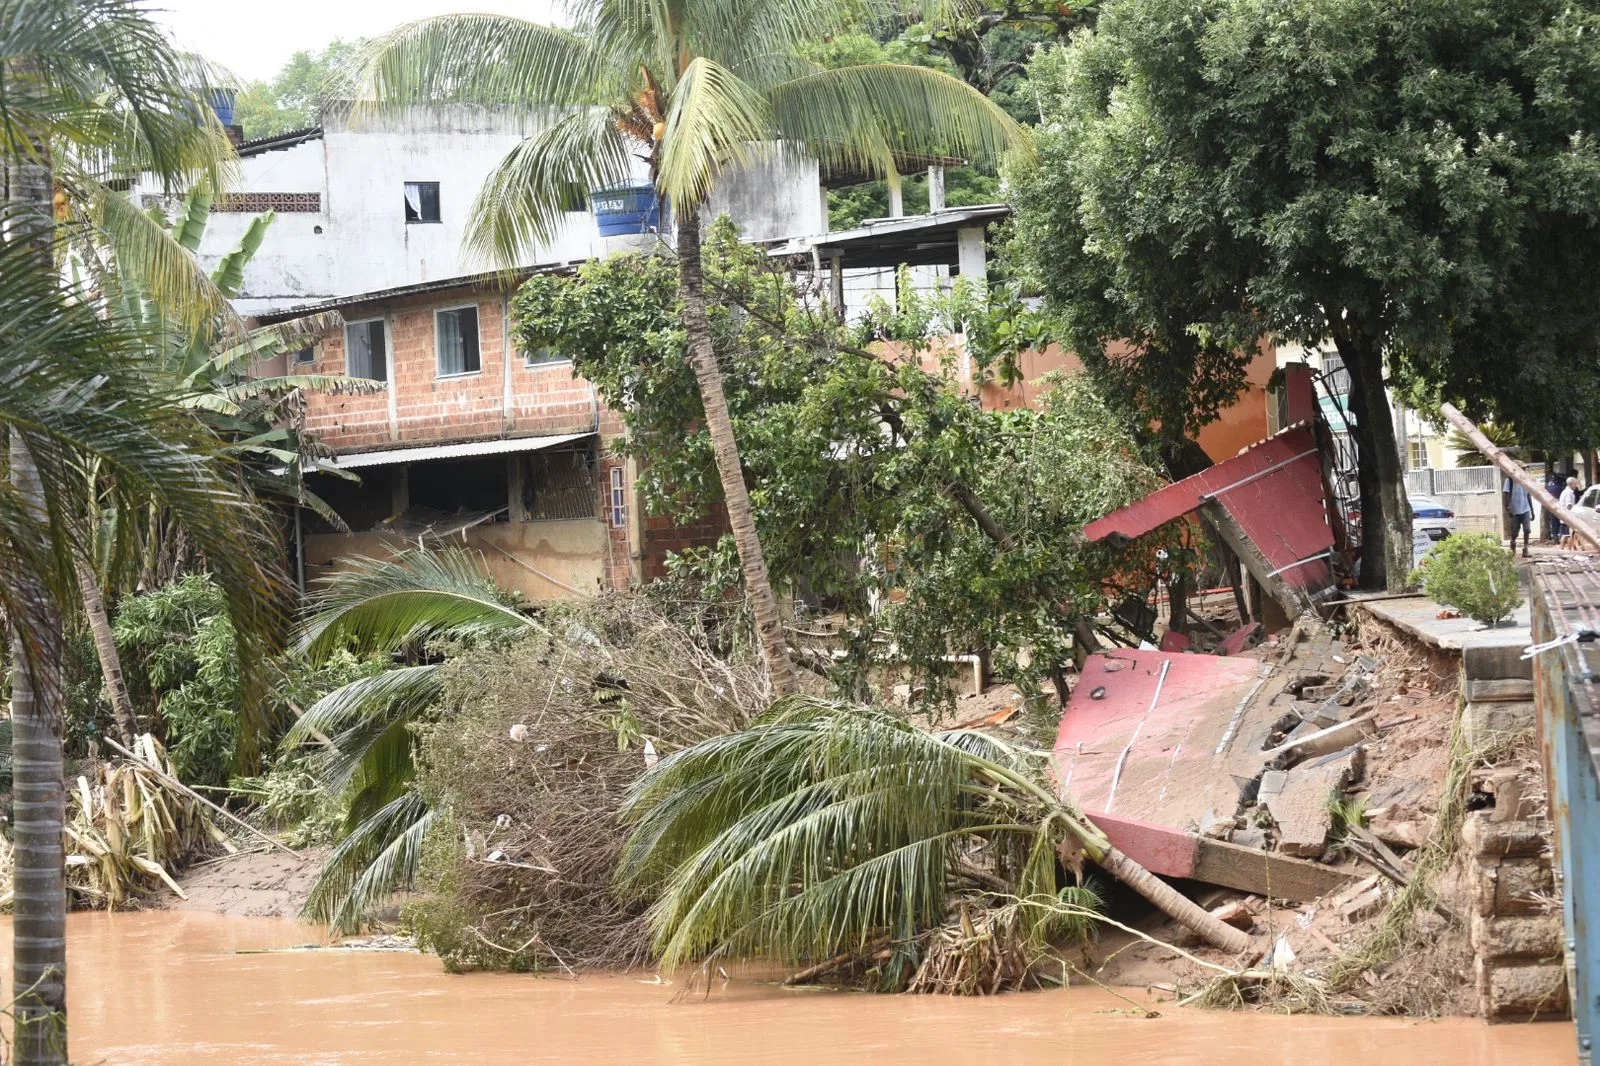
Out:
{"x": 623, "y": 209}
{"x": 222, "y": 101}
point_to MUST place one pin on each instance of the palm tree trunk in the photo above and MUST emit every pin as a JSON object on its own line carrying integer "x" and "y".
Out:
{"x": 1173, "y": 903}
{"x": 39, "y": 949}
{"x": 39, "y": 923}
{"x": 757, "y": 583}
{"x": 105, "y": 646}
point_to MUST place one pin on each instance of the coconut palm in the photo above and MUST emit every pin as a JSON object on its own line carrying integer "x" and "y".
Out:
{"x": 828, "y": 830}
{"x": 70, "y": 396}
{"x": 361, "y": 733}
{"x": 91, "y": 94}
{"x": 697, "y": 89}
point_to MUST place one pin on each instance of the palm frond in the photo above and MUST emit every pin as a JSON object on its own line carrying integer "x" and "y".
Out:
{"x": 151, "y": 259}
{"x": 74, "y": 390}
{"x": 358, "y": 716}
{"x": 100, "y": 85}
{"x": 825, "y": 826}
{"x": 481, "y": 59}
{"x": 372, "y": 863}
{"x": 714, "y": 122}
{"x": 525, "y": 198}
{"x": 384, "y": 604}
{"x": 854, "y": 114}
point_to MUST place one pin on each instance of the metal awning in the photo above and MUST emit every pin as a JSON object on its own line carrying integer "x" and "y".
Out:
{"x": 471, "y": 449}
{"x": 912, "y": 240}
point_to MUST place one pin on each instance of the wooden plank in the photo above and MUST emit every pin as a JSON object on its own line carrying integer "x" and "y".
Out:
{"x": 1513, "y": 470}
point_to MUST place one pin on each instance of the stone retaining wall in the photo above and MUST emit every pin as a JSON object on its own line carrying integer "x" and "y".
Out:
{"x": 1516, "y": 932}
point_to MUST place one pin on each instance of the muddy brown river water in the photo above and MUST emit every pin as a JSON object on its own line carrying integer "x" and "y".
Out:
{"x": 171, "y": 988}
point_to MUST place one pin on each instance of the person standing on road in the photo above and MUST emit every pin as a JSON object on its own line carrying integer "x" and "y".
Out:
{"x": 1553, "y": 484}
{"x": 1521, "y": 506}
{"x": 1569, "y": 500}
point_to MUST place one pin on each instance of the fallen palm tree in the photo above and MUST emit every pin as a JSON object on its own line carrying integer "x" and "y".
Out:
{"x": 130, "y": 829}
{"x": 845, "y": 840}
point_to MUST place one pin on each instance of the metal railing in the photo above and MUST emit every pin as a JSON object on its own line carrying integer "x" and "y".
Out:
{"x": 1566, "y": 619}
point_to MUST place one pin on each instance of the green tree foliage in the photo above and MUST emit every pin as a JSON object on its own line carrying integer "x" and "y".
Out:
{"x": 296, "y": 95}
{"x": 696, "y": 91}
{"x": 858, "y": 460}
{"x": 1415, "y": 184}
{"x": 182, "y": 663}
{"x": 1473, "y": 572}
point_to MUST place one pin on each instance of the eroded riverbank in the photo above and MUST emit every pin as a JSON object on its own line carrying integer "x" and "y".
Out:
{"x": 165, "y": 987}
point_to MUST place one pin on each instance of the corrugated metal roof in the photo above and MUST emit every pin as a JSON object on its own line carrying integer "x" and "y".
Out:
{"x": 488, "y": 280}
{"x": 426, "y": 452}
{"x": 278, "y": 141}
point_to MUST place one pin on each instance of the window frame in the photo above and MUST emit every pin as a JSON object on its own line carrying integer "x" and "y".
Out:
{"x": 310, "y": 352}
{"x": 438, "y": 362}
{"x": 388, "y": 348}
{"x": 618, "y": 501}
{"x": 1417, "y": 457}
{"x": 438, "y": 204}
{"x": 557, "y": 359}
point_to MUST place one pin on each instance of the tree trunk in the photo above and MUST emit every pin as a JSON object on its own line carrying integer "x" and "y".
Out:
{"x": 39, "y": 949}
{"x": 1173, "y": 903}
{"x": 38, "y": 788}
{"x": 1385, "y": 514}
{"x": 757, "y": 583}
{"x": 105, "y": 647}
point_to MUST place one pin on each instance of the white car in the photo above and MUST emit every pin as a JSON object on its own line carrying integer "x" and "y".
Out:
{"x": 1432, "y": 517}
{"x": 1588, "y": 505}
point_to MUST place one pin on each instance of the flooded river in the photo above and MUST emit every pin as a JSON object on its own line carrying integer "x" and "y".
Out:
{"x": 170, "y": 988}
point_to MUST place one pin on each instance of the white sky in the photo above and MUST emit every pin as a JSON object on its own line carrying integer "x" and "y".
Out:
{"x": 254, "y": 38}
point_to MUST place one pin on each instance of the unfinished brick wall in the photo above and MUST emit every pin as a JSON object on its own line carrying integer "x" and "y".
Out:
{"x": 503, "y": 397}
{"x": 663, "y": 534}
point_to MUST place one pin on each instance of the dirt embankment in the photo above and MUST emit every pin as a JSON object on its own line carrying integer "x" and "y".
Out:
{"x": 250, "y": 884}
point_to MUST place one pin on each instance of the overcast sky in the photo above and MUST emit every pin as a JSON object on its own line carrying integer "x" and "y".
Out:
{"x": 254, "y": 39}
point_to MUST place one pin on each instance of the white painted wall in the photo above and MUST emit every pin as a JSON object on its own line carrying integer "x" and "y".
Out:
{"x": 360, "y": 241}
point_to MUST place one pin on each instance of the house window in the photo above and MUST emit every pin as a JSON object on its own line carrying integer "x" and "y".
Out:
{"x": 366, "y": 351}
{"x": 305, "y": 355}
{"x": 543, "y": 356}
{"x": 619, "y": 499}
{"x": 457, "y": 333}
{"x": 1418, "y": 455}
{"x": 422, "y": 201}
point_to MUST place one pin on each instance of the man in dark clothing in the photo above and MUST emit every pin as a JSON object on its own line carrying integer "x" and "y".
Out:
{"x": 1553, "y": 484}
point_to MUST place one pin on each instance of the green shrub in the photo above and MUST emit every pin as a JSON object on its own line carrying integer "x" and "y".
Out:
{"x": 1472, "y": 572}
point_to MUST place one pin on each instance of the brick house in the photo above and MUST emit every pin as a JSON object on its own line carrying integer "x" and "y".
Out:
{"x": 471, "y": 441}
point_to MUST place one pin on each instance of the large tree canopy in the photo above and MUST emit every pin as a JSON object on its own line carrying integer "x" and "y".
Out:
{"x": 1414, "y": 184}
{"x": 879, "y": 488}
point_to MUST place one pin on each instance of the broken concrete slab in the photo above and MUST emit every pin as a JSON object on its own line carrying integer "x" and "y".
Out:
{"x": 1300, "y": 801}
{"x": 1322, "y": 742}
{"x": 1170, "y": 853}
{"x": 1398, "y": 830}
{"x": 1363, "y": 906}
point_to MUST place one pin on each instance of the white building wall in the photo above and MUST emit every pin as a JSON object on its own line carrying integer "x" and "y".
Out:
{"x": 359, "y": 240}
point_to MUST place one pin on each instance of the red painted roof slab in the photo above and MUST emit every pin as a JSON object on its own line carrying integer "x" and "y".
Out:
{"x": 1137, "y": 756}
{"x": 1273, "y": 490}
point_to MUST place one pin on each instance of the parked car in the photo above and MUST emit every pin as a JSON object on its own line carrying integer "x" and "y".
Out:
{"x": 1588, "y": 505}
{"x": 1427, "y": 516}
{"x": 1432, "y": 517}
